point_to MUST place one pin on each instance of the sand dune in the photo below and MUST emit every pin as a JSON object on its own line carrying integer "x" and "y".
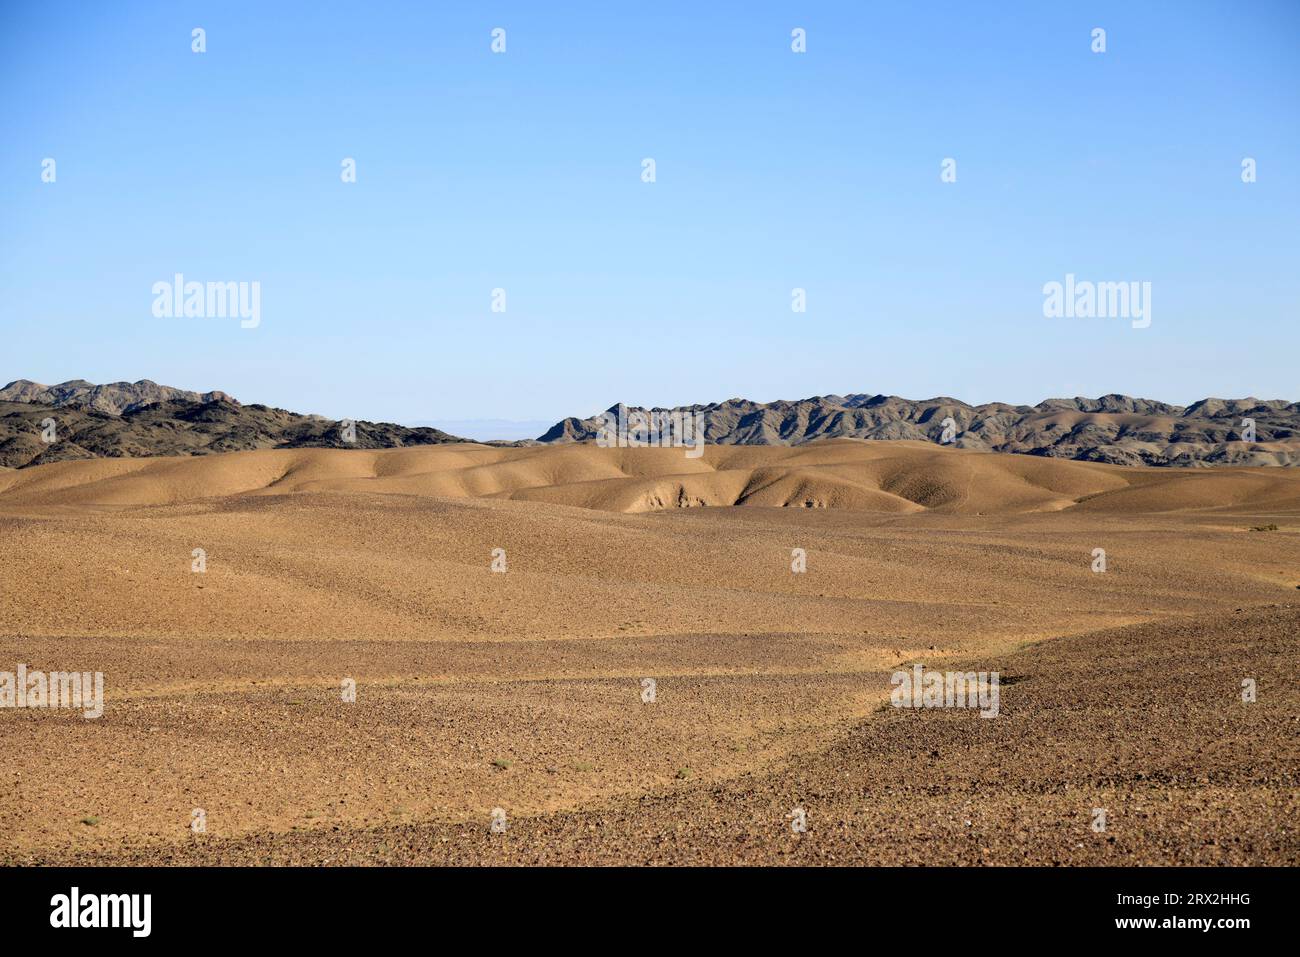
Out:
{"x": 896, "y": 477}
{"x": 522, "y": 690}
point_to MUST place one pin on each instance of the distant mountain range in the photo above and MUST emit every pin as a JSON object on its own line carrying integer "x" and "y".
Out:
{"x": 1114, "y": 428}
{"x": 143, "y": 419}
{"x": 114, "y": 398}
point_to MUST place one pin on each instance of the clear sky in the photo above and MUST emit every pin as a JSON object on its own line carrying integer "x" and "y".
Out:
{"x": 774, "y": 170}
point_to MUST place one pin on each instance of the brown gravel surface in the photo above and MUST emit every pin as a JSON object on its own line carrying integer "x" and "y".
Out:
{"x": 522, "y": 690}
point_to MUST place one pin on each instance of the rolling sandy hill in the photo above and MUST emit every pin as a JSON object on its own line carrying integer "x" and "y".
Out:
{"x": 522, "y": 689}
{"x": 894, "y": 477}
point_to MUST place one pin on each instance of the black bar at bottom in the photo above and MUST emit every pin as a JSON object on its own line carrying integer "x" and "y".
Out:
{"x": 332, "y": 906}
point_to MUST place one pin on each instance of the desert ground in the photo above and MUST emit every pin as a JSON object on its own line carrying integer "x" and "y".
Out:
{"x": 522, "y": 689}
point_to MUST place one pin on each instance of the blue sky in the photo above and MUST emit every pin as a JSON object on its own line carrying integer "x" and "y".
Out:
{"x": 775, "y": 170}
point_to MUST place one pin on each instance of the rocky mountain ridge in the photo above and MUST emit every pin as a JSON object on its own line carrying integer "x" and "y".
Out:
{"x": 1113, "y": 428}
